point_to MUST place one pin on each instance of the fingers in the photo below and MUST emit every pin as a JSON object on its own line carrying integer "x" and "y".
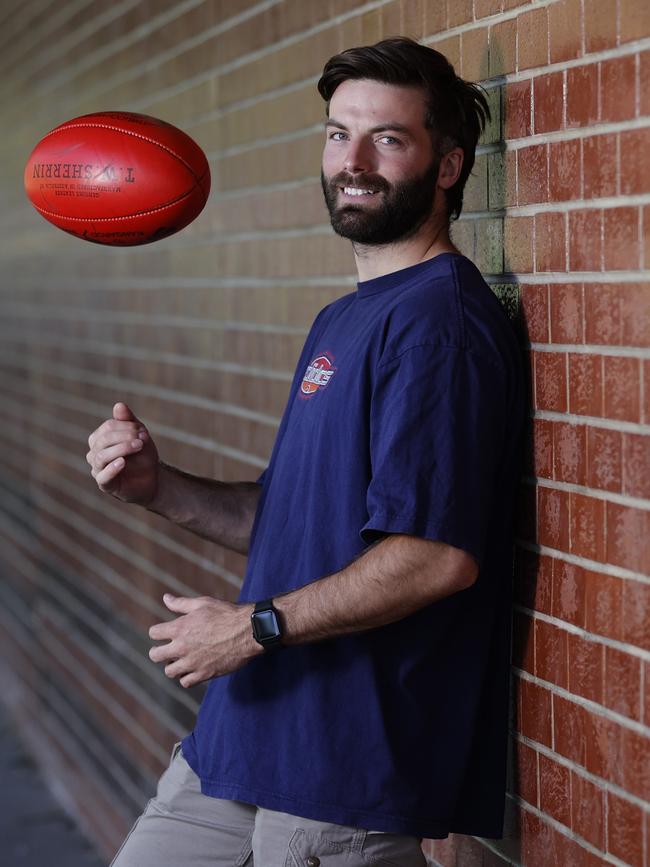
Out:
{"x": 111, "y": 432}
{"x": 184, "y": 604}
{"x": 105, "y": 477}
{"x": 122, "y": 412}
{"x": 99, "y": 459}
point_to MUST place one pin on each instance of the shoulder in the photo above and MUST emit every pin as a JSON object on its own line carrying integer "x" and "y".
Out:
{"x": 454, "y": 307}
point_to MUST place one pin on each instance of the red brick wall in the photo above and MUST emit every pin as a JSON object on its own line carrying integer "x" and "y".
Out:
{"x": 200, "y": 333}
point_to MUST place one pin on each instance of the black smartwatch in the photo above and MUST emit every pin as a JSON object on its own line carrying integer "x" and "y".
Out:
{"x": 266, "y": 625}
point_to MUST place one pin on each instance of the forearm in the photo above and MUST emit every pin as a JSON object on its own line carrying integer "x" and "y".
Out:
{"x": 393, "y": 579}
{"x": 222, "y": 512}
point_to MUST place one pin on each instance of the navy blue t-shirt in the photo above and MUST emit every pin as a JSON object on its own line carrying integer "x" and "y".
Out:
{"x": 405, "y": 416}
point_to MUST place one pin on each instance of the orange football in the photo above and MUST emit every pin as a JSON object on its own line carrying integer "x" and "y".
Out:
{"x": 118, "y": 178}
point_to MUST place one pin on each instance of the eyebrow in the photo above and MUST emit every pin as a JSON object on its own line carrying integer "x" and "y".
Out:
{"x": 382, "y": 127}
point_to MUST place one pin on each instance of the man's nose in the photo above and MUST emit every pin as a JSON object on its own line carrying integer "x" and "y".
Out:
{"x": 358, "y": 157}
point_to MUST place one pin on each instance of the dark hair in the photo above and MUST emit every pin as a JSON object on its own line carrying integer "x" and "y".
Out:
{"x": 456, "y": 110}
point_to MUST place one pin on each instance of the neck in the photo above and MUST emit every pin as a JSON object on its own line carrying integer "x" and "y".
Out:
{"x": 375, "y": 261}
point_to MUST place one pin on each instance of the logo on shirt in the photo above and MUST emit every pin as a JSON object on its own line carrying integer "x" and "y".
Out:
{"x": 318, "y": 374}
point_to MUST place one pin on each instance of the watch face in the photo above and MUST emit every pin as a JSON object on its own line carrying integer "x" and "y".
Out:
{"x": 266, "y": 625}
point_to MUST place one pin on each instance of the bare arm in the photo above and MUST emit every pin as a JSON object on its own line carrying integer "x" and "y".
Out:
{"x": 393, "y": 579}
{"x": 124, "y": 462}
{"x": 222, "y": 512}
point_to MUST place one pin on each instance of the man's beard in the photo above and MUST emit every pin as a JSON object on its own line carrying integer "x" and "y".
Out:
{"x": 399, "y": 212}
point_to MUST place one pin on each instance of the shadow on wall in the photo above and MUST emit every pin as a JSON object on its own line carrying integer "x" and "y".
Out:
{"x": 485, "y": 241}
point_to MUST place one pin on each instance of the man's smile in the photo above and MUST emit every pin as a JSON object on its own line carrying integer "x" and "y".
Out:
{"x": 357, "y": 192}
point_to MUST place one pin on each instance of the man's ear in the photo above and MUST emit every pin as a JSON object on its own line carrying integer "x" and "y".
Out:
{"x": 451, "y": 165}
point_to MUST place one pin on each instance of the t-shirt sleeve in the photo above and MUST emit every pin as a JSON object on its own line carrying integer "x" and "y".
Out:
{"x": 438, "y": 417}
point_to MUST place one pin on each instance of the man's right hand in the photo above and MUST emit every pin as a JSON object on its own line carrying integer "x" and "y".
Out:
{"x": 123, "y": 458}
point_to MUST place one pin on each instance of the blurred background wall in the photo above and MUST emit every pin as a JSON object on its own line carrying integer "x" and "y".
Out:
{"x": 199, "y": 334}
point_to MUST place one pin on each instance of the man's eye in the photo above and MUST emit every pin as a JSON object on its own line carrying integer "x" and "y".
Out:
{"x": 389, "y": 139}
{"x": 334, "y": 134}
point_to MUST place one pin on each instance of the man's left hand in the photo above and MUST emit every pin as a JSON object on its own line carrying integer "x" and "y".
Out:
{"x": 209, "y": 638}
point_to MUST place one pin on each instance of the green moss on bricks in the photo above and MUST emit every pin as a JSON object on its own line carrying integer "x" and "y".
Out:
{"x": 508, "y": 295}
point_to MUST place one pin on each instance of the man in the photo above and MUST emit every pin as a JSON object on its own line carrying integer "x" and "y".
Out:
{"x": 379, "y": 537}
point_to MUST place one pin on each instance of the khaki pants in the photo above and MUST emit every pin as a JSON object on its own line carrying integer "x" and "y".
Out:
{"x": 180, "y": 827}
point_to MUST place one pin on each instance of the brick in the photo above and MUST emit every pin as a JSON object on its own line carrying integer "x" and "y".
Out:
{"x": 565, "y": 170}
{"x": 500, "y": 187}
{"x": 586, "y": 665}
{"x": 588, "y": 810}
{"x": 517, "y": 101}
{"x": 622, "y": 391}
{"x": 566, "y": 313}
{"x": 483, "y": 8}
{"x": 564, "y": 35}
{"x": 634, "y": 20}
{"x": 587, "y": 526}
{"x": 541, "y": 444}
{"x": 635, "y": 314}
{"x": 569, "y": 590}
{"x": 535, "y": 720}
{"x": 600, "y": 166}
{"x": 450, "y": 47}
{"x": 555, "y": 790}
{"x": 525, "y": 772}
{"x": 518, "y": 244}
{"x": 628, "y": 538}
{"x": 604, "y": 748}
{"x": 532, "y": 174}
{"x": 636, "y": 607}
{"x": 550, "y": 241}
{"x": 646, "y": 391}
{"x": 582, "y": 95}
{"x": 532, "y": 30}
{"x": 570, "y": 723}
{"x": 644, "y": 83}
{"x": 391, "y": 19}
{"x": 622, "y": 683}
{"x": 475, "y": 192}
{"x": 624, "y": 829}
{"x": 553, "y": 518}
{"x": 604, "y": 459}
{"x": 600, "y": 24}
{"x": 540, "y": 844}
{"x": 585, "y": 384}
{"x": 636, "y": 465}
{"x": 488, "y": 252}
{"x": 636, "y": 768}
{"x": 551, "y": 653}
{"x": 603, "y": 318}
{"x": 618, "y": 89}
{"x": 585, "y": 245}
{"x": 503, "y": 47}
{"x": 646, "y": 693}
{"x": 523, "y": 642}
{"x": 493, "y": 132}
{"x": 435, "y": 19}
{"x": 550, "y": 381}
{"x": 570, "y": 451}
{"x": 549, "y": 102}
{"x": 622, "y": 244}
{"x": 604, "y": 605}
{"x": 635, "y": 156}
{"x": 412, "y": 19}
{"x": 475, "y": 53}
{"x": 460, "y": 12}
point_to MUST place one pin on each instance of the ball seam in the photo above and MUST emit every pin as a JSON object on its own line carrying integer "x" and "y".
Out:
{"x": 110, "y": 219}
{"x": 128, "y": 132}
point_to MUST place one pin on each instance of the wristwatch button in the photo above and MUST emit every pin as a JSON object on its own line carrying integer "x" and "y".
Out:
{"x": 313, "y": 861}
